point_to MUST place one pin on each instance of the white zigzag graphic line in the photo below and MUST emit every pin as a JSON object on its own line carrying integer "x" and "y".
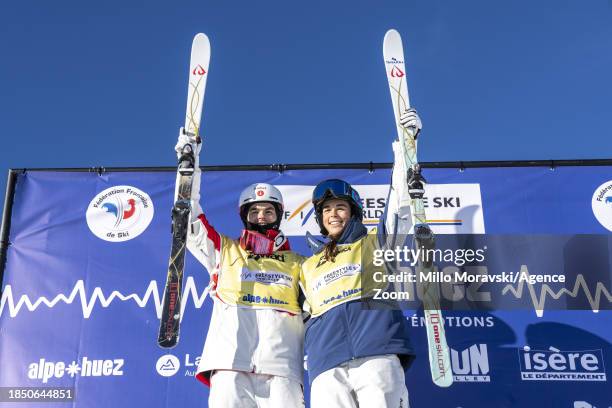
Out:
{"x": 190, "y": 291}
{"x": 97, "y": 296}
{"x": 539, "y": 300}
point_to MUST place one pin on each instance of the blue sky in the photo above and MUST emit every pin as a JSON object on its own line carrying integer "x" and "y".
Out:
{"x": 104, "y": 84}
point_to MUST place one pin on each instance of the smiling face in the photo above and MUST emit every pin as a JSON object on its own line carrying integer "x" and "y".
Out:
{"x": 336, "y": 214}
{"x": 261, "y": 214}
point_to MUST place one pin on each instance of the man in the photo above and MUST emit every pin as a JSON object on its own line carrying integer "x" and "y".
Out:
{"x": 253, "y": 353}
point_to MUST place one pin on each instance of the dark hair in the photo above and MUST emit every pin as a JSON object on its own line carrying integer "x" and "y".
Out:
{"x": 330, "y": 251}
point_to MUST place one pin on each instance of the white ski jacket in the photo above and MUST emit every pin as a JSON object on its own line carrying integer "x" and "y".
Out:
{"x": 253, "y": 339}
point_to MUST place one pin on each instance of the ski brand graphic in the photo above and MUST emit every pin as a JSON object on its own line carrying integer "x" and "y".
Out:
{"x": 394, "y": 60}
{"x": 471, "y": 364}
{"x": 556, "y": 365}
{"x": 167, "y": 365}
{"x": 602, "y": 204}
{"x": 44, "y": 370}
{"x": 396, "y": 72}
{"x": 198, "y": 70}
{"x": 119, "y": 213}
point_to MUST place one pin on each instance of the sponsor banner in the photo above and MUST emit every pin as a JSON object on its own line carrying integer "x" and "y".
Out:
{"x": 450, "y": 208}
{"x": 88, "y": 257}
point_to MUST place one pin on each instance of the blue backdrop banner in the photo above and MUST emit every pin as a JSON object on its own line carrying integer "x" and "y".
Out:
{"x": 82, "y": 287}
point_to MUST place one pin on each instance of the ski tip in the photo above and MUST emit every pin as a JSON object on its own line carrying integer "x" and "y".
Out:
{"x": 392, "y": 34}
{"x": 201, "y": 38}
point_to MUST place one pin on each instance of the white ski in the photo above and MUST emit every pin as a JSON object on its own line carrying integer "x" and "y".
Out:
{"x": 439, "y": 356}
{"x": 198, "y": 69}
{"x": 173, "y": 293}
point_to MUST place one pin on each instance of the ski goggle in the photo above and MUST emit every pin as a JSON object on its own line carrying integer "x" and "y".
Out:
{"x": 335, "y": 188}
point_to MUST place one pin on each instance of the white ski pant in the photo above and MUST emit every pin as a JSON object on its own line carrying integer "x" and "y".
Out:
{"x": 373, "y": 382}
{"x": 239, "y": 389}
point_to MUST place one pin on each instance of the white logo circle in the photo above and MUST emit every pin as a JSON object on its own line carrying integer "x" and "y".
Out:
{"x": 602, "y": 204}
{"x": 119, "y": 213}
{"x": 167, "y": 365}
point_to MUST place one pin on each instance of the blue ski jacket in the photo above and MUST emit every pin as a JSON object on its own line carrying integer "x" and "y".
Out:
{"x": 358, "y": 328}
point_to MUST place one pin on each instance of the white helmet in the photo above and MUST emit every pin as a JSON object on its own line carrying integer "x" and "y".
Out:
{"x": 260, "y": 193}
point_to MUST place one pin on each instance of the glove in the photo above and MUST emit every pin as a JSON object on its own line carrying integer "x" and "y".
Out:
{"x": 410, "y": 121}
{"x": 183, "y": 139}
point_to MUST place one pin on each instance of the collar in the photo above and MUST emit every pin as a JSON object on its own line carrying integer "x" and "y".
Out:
{"x": 354, "y": 231}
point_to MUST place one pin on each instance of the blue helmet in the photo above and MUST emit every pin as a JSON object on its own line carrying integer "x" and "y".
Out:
{"x": 335, "y": 188}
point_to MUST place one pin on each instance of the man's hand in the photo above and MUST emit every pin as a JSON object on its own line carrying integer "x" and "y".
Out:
{"x": 184, "y": 139}
{"x": 410, "y": 121}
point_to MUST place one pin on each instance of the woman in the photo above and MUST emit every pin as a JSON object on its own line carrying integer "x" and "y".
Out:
{"x": 357, "y": 348}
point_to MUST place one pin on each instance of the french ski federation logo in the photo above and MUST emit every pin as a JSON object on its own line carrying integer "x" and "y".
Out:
{"x": 602, "y": 204}
{"x": 471, "y": 364}
{"x": 198, "y": 70}
{"x": 167, "y": 365}
{"x": 556, "y": 365}
{"x": 119, "y": 213}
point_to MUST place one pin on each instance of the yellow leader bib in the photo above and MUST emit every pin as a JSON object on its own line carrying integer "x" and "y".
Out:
{"x": 259, "y": 281}
{"x": 328, "y": 284}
